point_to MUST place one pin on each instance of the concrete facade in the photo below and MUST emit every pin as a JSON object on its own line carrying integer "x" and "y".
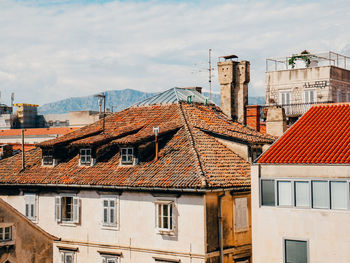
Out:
{"x": 72, "y": 119}
{"x": 325, "y": 230}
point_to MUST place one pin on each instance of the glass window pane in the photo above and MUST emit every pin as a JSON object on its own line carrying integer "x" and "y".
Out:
{"x": 302, "y": 194}
{"x": 295, "y": 251}
{"x": 320, "y": 194}
{"x": 339, "y": 195}
{"x": 268, "y": 192}
{"x": 284, "y": 193}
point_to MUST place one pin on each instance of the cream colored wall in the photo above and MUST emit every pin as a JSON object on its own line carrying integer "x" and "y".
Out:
{"x": 136, "y": 237}
{"x": 327, "y": 232}
{"x": 239, "y": 148}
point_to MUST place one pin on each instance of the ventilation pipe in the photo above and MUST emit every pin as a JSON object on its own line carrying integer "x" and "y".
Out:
{"x": 23, "y": 158}
{"x": 156, "y": 132}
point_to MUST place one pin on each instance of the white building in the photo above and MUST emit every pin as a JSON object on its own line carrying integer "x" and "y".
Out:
{"x": 300, "y": 191}
{"x": 113, "y": 194}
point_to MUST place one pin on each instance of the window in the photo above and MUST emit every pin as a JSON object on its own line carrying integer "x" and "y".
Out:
{"x": 284, "y": 189}
{"x": 255, "y": 152}
{"x": 85, "y": 156}
{"x": 320, "y": 194}
{"x": 110, "y": 259}
{"x": 67, "y": 257}
{"x": 339, "y": 195}
{"x": 47, "y": 156}
{"x": 309, "y": 96}
{"x": 5, "y": 233}
{"x": 109, "y": 211}
{"x": 295, "y": 251}
{"x": 241, "y": 214}
{"x": 302, "y": 194}
{"x": 339, "y": 96}
{"x": 127, "y": 155}
{"x": 285, "y": 97}
{"x": 165, "y": 216}
{"x": 348, "y": 97}
{"x": 30, "y": 206}
{"x": 67, "y": 209}
{"x": 268, "y": 192}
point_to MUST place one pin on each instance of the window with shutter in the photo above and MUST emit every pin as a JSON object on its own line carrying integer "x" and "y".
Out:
{"x": 166, "y": 219}
{"x": 109, "y": 216}
{"x": 67, "y": 209}
{"x": 30, "y": 206}
{"x": 241, "y": 214}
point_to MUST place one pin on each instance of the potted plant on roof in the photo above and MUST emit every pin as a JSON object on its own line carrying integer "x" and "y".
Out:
{"x": 305, "y": 56}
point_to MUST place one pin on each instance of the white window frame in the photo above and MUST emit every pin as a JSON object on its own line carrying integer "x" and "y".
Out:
{"x": 127, "y": 156}
{"x": 277, "y": 201}
{"x": 75, "y": 209}
{"x": 64, "y": 254}
{"x": 30, "y": 206}
{"x": 3, "y": 233}
{"x": 110, "y": 259}
{"x": 284, "y": 93}
{"x": 172, "y": 218}
{"x": 85, "y": 155}
{"x": 109, "y": 209}
{"x": 307, "y": 97}
{"x": 48, "y": 156}
{"x": 241, "y": 205}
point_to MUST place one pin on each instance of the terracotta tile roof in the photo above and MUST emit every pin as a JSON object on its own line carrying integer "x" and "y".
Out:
{"x": 37, "y": 131}
{"x": 190, "y": 156}
{"x": 320, "y": 136}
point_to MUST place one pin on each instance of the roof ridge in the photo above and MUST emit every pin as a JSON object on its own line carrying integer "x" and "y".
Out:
{"x": 203, "y": 178}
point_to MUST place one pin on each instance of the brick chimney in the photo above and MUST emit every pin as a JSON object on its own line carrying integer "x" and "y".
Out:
{"x": 234, "y": 77}
{"x": 253, "y": 116}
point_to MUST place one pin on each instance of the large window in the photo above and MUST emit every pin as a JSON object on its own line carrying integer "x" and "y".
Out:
{"x": 339, "y": 195}
{"x": 5, "y": 233}
{"x": 284, "y": 193}
{"x": 85, "y": 156}
{"x": 295, "y": 251}
{"x": 30, "y": 206}
{"x": 302, "y": 194}
{"x": 67, "y": 209}
{"x": 286, "y": 97}
{"x": 309, "y": 96}
{"x": 47, "y": 156}
{"x": 165, "y": 215}
{"x": 268, "y": 192}
{"x": 109, "y": 211}
{"x": 127, "y": 156}
{"x": 320, "y": 194}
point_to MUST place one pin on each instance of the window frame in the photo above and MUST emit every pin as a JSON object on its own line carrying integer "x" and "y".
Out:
{"x": 261, "y": 193}
{"x": 106, "y": 258}
{"x": 308, "y": 91}
{"x": 173, "y": 221}
{"x": 246, "y": 226}
{"x": 116, "y": 211}
{"x": 65, "y": 253}
{"x": 3, "y": 233}
{"x": 85, "y": 155}
{"x": 127, "y": 155}
{"x": 284, "y": 239}
{"x": 76, "y": 206}
{"x": 310, "y": 194}
{"x": 34, "y": 203}
{"x": 277, "y": 201}
{"x": 47, "y": 155}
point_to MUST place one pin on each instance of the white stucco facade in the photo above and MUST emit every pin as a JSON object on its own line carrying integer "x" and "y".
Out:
{"x": 326, "y": 231}
{"x": 135, "y": 238}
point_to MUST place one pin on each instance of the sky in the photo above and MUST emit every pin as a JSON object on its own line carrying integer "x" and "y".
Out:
{"x": 55, "y": 49}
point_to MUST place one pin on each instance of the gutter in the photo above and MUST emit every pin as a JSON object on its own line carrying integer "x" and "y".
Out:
{"x": 221, "y": 228}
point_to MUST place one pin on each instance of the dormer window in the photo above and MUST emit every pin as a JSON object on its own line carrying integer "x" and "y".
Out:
{"x": 85, "y": 156}
{"x": 127, "y": 156}
{"x": 48, "y": 159}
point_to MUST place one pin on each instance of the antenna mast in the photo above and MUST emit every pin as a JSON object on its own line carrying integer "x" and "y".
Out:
{"x": 210, "y": 73}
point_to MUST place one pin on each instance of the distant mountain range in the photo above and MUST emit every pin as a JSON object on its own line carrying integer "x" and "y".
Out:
{"x": 116, "y": 100}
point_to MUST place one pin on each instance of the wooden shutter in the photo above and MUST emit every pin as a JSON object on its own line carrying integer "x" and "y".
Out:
{"x": 241, "y": 214}
{"x": 58, "y": 209}
{"x": 76, "y": 209}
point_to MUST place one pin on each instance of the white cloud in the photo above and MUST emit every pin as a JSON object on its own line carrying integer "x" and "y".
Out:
{"x": 53, "y": 51}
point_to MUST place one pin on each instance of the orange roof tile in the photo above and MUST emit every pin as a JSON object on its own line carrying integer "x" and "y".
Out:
{"x": 320, "y": 136}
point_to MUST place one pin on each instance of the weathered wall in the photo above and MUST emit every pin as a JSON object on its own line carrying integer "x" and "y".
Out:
{"x": 31, "y": 245}
{"x": 327, "y": 234}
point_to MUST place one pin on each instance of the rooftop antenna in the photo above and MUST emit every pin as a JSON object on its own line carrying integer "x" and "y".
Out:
{"x": 156, "y": 132}
{"x": 102, "y": 96}
{"x": 210, "y": 69}
{"x": 12, "y": 99}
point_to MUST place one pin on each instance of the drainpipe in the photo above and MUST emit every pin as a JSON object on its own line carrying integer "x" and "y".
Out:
{"x": 221, "y": 228}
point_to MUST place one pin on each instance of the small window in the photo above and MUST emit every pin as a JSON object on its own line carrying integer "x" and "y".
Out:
{"x": 165, "y": 215}
{"x": 339, "y": 195}
{"x": 47, "y": 156}
{"x": 5, "y": 233}
{"x": 110, "y": 259}
{"x": 284, "y": 189}
{"x": 295, "y": 251}
{"x": 339, "y": 96}
{"x": 85, "y": 156}
{"x": 30, "y": 206}
{"x": 67, "y": 209}
{"x": 302, "y": 194}
{"x": 127, "y": 156}
{"x": 320, "y": 194}
{"x": 67, "y": 257}
{"x": 109, "y": 211}
{"x": 268, "y": 192}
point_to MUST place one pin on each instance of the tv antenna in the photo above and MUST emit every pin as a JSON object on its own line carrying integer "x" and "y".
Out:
{"x": 210, "y": 75}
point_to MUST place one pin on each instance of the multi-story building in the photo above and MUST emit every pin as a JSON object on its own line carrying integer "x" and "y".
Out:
{"x": 27, "y": 115}
{"x": 167, "y": 180}
{"x": 298, "y": 81}
{"x": 300, "y": 191}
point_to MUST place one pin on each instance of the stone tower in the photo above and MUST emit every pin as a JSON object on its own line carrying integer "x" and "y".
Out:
{"x": 234, "y": 77}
